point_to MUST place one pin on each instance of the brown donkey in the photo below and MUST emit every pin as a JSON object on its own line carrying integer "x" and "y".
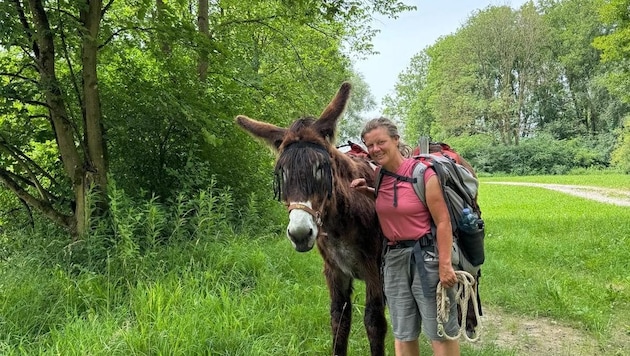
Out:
{"x": 313, "y": 179}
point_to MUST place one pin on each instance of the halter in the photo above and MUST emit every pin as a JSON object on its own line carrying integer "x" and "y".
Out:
{"x": 316, "y": 214}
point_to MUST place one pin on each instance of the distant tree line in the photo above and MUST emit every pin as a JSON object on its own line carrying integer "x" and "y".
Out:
{"x": 554, "y": 73}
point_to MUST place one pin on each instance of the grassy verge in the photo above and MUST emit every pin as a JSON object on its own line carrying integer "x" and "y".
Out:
{"x": 548, "y": 254}
{"x": 246, "y": 297}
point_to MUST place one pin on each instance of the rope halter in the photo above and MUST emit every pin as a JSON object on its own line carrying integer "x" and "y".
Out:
{"x": 317, "y": 215}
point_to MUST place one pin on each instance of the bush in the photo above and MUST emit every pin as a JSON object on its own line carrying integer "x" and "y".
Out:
{"x": 135, "y": 230}
{"x": 621, "y": 154}
{"x": 542, "y": 154}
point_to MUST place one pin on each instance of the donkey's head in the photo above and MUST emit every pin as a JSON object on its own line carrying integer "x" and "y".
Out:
{"x": 304, "y": 166}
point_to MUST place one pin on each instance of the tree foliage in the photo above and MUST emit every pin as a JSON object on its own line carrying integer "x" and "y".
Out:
{"x": 411, "y": 101}
{"x": 144, "y": 93}
{"x": 621, "y": 153}
{"x": 361, "y": 100}
{"x": 615, "y": 46}
{"x": 515, "y": 74}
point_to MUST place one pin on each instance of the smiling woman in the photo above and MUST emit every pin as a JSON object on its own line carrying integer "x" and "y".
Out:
{"x": 418, "y": 233}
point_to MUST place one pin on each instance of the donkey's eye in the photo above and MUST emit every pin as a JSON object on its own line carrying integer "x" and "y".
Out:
{"x": 317, "y": 171}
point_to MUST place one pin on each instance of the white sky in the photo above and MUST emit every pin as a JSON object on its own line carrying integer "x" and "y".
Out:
{"x": 402, "y": 38}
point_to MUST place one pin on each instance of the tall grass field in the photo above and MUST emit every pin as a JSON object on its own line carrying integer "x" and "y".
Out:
{"x": 225, "y": 292}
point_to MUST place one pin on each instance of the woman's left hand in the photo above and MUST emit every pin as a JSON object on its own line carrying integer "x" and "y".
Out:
{"x": 447, "y": 275}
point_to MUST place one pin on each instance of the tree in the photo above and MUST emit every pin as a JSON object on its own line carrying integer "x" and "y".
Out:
{"x": 615, "y": 46}
{"x": 574, "y": 25}
{"x": 33, "y": 87}
{"x": 621, "y": 153}
{"x": 508, "y": 49}
{"x": 480, "y": 79}
{"x": 204, "y": 30}
{"x": 410, "y": 103}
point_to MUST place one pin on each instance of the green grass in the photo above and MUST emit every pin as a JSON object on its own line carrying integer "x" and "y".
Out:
{"x": 547, "y": 254}
{"x": 550, "y": 254}
{"x": 243, "y": 298}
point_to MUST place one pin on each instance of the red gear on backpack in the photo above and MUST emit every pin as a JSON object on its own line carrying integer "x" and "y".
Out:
{"x": 442, "y": 149}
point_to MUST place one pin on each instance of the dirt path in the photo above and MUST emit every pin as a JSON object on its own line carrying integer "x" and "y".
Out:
{"x": 534, "y": 336}
{"x": 604, "y": 195}
{"x": 544, "y": 336}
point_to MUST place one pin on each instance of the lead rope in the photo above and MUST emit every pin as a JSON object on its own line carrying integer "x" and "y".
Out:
{"x": 465, "y": 291}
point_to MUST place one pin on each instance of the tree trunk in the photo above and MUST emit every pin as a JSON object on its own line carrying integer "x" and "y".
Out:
{"x": 85, "y": 165}
{"x": 95, "y": 167}
{"x": 64, "y": 132}
{"x": 163, "y": 41}
{"x": 204, "y": 29}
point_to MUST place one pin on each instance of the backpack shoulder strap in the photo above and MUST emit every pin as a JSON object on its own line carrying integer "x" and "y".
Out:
{"x": 418, "y": 185}
{"x": 378, "y": 180}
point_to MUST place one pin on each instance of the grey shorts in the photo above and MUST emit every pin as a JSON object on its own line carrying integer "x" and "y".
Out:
{"x": 409, "y": 309}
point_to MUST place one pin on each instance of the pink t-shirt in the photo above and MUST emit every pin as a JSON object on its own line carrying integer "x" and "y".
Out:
{"x": 410, "y": 219}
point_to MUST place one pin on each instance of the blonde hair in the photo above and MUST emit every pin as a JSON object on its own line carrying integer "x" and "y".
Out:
{"x": 392, "y": 131}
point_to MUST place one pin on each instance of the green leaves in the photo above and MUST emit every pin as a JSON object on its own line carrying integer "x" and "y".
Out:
{"x": 361, "y": 100}
{"x": 162, "y": 119}
{"x": 615, "y": 47}
{"x": 614, "y": 44}
{"x": 516, "y": 73}
{"x": 621, "y": 154}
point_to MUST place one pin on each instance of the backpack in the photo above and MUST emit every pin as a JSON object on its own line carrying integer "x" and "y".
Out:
{"x": 459, "y": 187}
{"x": 443, "y": 149}
{"x": 440, "y": 148}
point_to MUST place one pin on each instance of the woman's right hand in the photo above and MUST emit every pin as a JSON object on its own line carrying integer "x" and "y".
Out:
{"x": 361, "y": 186}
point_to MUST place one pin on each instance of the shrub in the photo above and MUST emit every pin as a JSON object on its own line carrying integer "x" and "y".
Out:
{"x": 620, "y": 157}
{"x": 541, "y": 154}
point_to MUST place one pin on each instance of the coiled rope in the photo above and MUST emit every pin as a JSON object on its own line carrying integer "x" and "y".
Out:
{"x": 465, "y": 291}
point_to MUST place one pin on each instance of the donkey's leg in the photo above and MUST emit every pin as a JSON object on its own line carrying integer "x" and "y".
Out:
{"x": 340, "y": 289}
{"x": 374, "y": 319}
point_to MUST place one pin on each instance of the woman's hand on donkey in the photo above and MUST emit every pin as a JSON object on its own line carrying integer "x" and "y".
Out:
{"x": 361, "y": 186}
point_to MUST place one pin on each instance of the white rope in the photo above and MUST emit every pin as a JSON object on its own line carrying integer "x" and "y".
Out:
{"x": 466, "y": 289}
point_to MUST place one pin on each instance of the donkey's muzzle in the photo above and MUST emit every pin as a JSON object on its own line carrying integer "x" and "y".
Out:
{"x": 302, "y": 239}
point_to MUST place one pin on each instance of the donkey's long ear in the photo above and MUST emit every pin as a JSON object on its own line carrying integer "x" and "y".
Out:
{"x": 327, "y": 122}
{"x": 271, "y": 134}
